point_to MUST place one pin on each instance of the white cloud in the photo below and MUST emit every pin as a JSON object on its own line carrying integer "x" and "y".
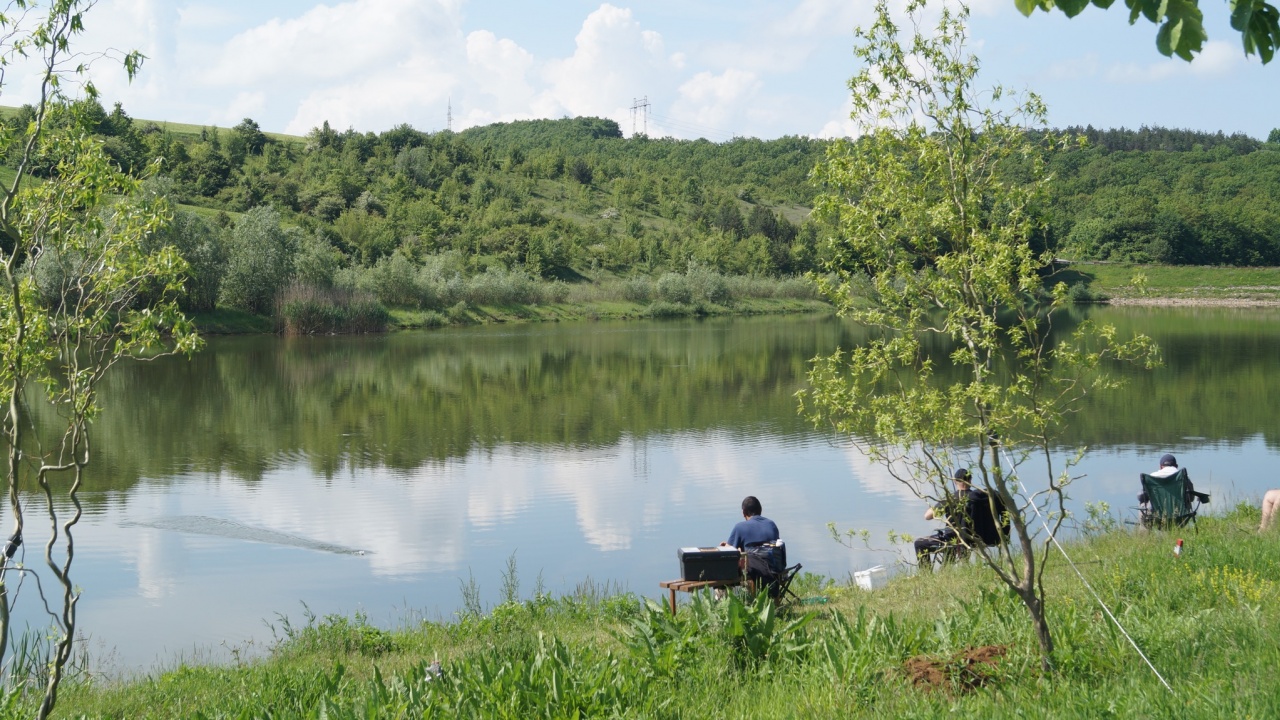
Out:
{"x": 249, "y": 104}
{"x": 199, "y": 17}
{"x": 1072, "y": 69}
{"x": 825, "y": 17}
{"x": 614, "y": 62}
{"x": 717, "y": 101}
{"x": 1218, "y": 59}
{"x": 349, "y": 39}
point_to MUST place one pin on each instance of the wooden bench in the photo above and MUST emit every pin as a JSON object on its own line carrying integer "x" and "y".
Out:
{"x": 692, "y": 585}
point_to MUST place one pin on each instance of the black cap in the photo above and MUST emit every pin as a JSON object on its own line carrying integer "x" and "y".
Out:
{"x": 962, "y": 474}
{"x": 1168, "y": 460}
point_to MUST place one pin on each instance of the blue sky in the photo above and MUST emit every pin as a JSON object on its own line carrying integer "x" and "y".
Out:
{"x": 711, "y": 68}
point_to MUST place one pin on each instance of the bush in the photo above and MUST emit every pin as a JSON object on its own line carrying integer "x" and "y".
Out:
{"x": 674, "y": 288}
{"x": 198, "y": 243}
{"x": 638, "y": 290}
{"x": 797, "y": 288}
{"x": 502, "y": 287}
{"x": 317, "y": 262}
{"x": 459, "y": 312}
{"x": 259, "y": 261}
{"x": 1080, "y": 294}
{"x": 393, "y": 280}
{"x": 707, "y": 284}
{"x": 555, "y": 292}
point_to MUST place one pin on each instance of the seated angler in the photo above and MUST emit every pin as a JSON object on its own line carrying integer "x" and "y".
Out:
{"x": 971, "y": 516}
{"x": 754, "y": 531}
{"x": 1169, "y": 468}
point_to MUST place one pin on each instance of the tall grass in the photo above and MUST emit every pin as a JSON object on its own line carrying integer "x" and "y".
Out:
{"x": 951, "y": 644}
{"x": 439, "y": 283}
{"x": 308, "y": 310}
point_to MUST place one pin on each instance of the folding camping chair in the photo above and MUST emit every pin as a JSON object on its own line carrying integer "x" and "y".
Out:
{"x": 780, "y": 588}
{"x": 1169, "y": 503}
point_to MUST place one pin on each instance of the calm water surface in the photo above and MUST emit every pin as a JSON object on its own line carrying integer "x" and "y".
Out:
{"x": 378, "y": 474}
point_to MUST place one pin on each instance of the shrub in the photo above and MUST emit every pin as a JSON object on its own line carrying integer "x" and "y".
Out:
{"x": 674, "y": 288}
{"x": 1082, "y": 294}
{"x": 393, "y": 281}
{"x": 259, "y": 261}
{"x": 638, "y": 290}
{"x": 502, "y": 287}
{"x": 199, "y": 244}
{"x": 317, "y": 262}
{"x": 459, "y": 312}
{"x": 707, "y": 284}
{"x": 555, "y": 292}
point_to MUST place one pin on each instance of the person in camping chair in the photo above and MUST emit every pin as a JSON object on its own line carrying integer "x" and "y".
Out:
{"x": 1169, "y": 467}
{"x": 754, "y": 531}
{"x": 969, "y": 512}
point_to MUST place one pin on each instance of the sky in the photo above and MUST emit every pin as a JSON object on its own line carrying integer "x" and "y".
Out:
{"x": 714, "y": 68}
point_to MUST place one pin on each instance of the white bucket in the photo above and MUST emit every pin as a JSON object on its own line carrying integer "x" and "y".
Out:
{"x": 871, "y": 578}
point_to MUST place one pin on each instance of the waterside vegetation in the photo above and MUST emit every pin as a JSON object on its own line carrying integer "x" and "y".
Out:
{"x": 951, "y": 644}
{"x": 406, "y": 218}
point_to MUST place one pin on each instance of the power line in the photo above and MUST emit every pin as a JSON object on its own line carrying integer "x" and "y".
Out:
{"x": 693, "y": 128}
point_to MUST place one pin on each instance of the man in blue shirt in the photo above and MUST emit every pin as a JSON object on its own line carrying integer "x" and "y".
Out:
{"x": 755, "y": 529}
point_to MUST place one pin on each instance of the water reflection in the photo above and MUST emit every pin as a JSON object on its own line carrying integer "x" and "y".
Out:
{"x": 584, "y": 450}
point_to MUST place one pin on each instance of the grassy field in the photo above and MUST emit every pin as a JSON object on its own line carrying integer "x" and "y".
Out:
{"x": 1178, "y": 283}
{"x": 950, "y": 644}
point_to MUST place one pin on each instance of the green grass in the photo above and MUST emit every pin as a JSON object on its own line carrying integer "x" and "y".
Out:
{"x": 1176, "y": 282}
{"x": 232, "y": 322}
{"x": 1208, "y": 620}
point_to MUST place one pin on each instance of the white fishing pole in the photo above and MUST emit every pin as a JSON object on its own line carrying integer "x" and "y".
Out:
{"x": 1098, "y": 598}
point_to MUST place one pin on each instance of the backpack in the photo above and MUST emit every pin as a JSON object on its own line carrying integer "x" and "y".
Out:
{"x": 767, "y": 560}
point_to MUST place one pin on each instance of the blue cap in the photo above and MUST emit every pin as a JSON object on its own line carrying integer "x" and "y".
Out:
{"x": 1168, "y": 460}
{"x": 962, "y": 474}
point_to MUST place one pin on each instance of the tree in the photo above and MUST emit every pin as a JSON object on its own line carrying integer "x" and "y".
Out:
{"x": 260, "y": 257}
{"x": 81, "y": 288}
{"x": 250, "y": 136}
{"x": 935, "y": 207}
{"x": 1181, "y": 23}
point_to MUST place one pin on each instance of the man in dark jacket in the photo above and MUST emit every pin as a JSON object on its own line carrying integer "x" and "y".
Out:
{"x": 972, "y": 516}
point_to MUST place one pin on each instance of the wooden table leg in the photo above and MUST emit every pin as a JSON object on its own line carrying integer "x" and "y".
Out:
{"x": 673, "y": 601}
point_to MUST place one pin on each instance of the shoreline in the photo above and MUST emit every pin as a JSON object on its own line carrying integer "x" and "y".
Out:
{"x": 1195, "y": 302}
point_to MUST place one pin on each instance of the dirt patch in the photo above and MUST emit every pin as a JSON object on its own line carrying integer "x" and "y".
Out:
{"x": 963, "y": 672}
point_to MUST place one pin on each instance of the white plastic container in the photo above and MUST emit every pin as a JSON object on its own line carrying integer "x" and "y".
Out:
{"x": 871, "y": 578}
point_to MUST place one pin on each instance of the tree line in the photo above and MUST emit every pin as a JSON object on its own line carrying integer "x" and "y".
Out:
{"x": 399, "y": 215}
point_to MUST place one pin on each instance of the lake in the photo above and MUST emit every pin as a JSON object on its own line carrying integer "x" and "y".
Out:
{"x": 381, "y": 474}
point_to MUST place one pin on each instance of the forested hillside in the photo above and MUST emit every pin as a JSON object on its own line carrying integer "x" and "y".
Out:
{"x": 1172, "y": 197}
{"x": 416, "y": 219}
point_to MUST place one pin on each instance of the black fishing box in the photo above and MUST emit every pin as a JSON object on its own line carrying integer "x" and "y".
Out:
{"x": 709, "y": 563}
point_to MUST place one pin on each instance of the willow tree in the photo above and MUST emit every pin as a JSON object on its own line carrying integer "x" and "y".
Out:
{"x": 936, "y": 214}
{"x": 83, "y": 285}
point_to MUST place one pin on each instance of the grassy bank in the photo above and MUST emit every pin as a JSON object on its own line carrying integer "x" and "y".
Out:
{"x": 429, "y": 301}
{"x": 511, "y": 299}
{"x": 953, "y": 644}
{"x": 1172, "y": 283}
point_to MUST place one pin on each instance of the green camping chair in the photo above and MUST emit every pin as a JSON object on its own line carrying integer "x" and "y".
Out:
{"x": 1169, "y": 504}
